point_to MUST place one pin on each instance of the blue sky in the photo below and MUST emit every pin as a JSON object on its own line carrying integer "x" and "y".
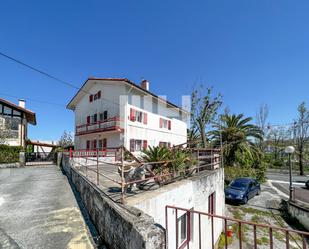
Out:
{"x": 253, "y": 52}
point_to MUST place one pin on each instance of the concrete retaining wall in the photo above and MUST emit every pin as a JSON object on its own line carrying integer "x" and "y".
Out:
{"x": 120, "y": 227}
{"x": 300, "y": 212}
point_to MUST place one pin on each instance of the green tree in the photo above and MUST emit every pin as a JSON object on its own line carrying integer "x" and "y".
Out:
{"x": 204, "y": 107}
{"x": 66, "y": 140}
{"x": 301, "y": 128}
{"x": 237, "y": 136}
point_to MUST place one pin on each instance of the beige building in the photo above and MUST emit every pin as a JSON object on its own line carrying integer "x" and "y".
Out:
{"x": 14, "y": 120}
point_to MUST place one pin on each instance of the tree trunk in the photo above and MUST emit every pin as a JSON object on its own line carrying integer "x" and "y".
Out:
{"x": 301, "y": 165}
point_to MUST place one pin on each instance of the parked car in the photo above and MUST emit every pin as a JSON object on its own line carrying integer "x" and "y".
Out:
{"x": 307, "y": 184}
{"x": 241, "y": 190}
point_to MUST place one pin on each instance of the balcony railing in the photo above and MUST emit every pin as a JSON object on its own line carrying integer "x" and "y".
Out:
{"x": 111, "y": 124}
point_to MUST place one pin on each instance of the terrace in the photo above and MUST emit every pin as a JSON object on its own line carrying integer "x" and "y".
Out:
{"x": 116, "y": 171}
{"x": 112, "y": 124}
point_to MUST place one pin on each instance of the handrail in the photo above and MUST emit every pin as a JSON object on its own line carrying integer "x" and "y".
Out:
{"x": 115, "y": 118}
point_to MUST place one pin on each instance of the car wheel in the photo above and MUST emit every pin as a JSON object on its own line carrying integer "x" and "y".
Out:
{"x": 258, "y": 192}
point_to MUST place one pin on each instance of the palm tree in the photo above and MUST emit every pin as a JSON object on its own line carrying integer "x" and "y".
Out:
{"x": 237, "y": 137}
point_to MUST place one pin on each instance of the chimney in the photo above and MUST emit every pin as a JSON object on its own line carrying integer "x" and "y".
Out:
{"x": 145, "y": 84}
{"x": 22, "y": 103}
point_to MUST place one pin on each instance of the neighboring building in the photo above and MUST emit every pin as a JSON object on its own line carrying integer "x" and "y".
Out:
{"x": 14, "y": 121}
{"x": 110, "y": 112}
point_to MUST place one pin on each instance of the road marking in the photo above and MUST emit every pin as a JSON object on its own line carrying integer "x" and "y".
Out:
{"x": 294, "y": 183}
{"x": 279, "y": 192}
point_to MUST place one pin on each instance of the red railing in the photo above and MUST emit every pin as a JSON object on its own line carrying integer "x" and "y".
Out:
{"x": 110, "y": 124}
{"x": 105, "y": 152}
{"x": 208, "y": 239}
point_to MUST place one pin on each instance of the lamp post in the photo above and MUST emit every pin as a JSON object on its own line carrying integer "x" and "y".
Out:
{"x": 290, "y": 150}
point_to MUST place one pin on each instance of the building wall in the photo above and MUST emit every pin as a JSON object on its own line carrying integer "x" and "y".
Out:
{"x": 190, "y": 194}
{"x": 152, "y": 131}
{"x": 19, "y": 135}
{"x": 117, "y": 99}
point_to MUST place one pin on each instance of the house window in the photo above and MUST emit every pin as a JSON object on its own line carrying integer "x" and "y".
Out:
{"x": 138, "y": 145}
{"x": 103, "y": 116}
{"x": 138, "y": 116}
{"x": 163, "y": 144}
{"x": 97, "y": 95}
{"x": 88, "y": 119}
{"x": 102, "y": 143}
{"x": 182, "y": 229}
{"x": 90, "y": 98}
{"x": 94, "y": 144}
{"x": 165, "y": 124}
{"x": 95, "y": 118}
{"x": 212, "y": 203}
{"x": 88, "y": 145}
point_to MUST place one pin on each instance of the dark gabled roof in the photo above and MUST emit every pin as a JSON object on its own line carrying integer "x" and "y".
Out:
{"x": 30, "y": 115}
{"x": 130, "y": 83}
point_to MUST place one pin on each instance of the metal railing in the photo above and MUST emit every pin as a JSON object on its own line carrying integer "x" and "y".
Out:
{"x": 110, "y": 124}
{"x": 110, "y": 164}
{"x": 208, "y": 238}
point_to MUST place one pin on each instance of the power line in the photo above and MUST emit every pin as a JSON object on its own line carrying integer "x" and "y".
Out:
{"x": 38, "y": 71}
{"x": 33, "y": 100}
{"x": 49, "y": 75}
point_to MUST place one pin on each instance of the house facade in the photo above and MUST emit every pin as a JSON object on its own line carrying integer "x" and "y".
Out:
{"x": 112, "y": 112}
{"x": 14, "y": 120}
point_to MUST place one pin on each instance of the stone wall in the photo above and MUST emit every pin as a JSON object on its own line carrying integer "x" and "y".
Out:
{"x": 120, "y": 226}
{"x": 300, "y": 212}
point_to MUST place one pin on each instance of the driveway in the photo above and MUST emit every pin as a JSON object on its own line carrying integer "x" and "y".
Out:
{"x": 38, "y": 210}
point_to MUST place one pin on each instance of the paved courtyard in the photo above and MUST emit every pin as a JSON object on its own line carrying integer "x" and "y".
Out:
{"x": 38, "y": 210}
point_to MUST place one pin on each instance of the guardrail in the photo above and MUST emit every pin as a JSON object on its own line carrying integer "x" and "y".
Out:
{"x": 230, "y": 225}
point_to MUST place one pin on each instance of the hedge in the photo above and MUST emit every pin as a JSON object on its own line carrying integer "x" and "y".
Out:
{"x": 9, "y": 154}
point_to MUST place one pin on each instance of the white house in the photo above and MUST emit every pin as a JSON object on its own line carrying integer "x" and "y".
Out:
{"x": 14, "y": 121}
{"x": 110, "y": 112}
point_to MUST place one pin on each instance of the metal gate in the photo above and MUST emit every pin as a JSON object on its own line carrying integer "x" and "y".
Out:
{"x": 40, "y": 157}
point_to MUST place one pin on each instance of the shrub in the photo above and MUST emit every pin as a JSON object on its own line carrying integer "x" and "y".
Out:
{"x": 234, "y": 172}
{"x": 9, "y": 154}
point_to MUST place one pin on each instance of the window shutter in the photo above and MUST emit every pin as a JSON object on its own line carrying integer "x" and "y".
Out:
{"x": 169, "y": 124}
{"x": 91, "y": 98}
{"x": 88, "y": 119}
{"x": 95, "y": 118}
{"x": 132, "y": 118}
{"x": 145, "y": 118}
{"x": 132, "y": 145}
{"x": 161, "y": 122}
{"x": 88, "y": 145}
{"x": 145, "y": 144}
{"x": 99, "y": 94}
{"x": 94, "y": 144}
{"x": 104, "y": 143}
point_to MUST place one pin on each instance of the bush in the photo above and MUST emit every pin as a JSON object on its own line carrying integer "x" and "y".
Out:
{"x": 234, "y": 172}
{"x": 9, "y": 154}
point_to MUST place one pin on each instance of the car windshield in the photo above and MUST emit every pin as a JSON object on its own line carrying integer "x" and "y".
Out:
{"x": 239, "y": 184}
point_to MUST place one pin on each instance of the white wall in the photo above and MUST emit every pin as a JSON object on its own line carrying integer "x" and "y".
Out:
{"x": 115, "y": 98}
{"x": 152, "y": 131}
{"x": 187, "y": 194}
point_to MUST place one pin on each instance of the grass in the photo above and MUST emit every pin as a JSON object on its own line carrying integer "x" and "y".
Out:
{"x": 221, "y": 243}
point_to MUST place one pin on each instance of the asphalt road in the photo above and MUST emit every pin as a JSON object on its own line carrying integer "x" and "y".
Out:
{"x": 280, "y": 181}
{"x": 38, "y": 210}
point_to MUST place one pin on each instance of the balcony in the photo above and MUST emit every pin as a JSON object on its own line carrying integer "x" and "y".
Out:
{"x": 111, "y": 124}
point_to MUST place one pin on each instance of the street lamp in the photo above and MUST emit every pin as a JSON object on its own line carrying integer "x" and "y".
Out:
{"x": 290, "y": 150}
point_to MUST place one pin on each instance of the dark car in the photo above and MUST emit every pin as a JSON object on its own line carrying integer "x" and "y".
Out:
{"x": 241, "y": 190}
{"x": 307, "y": 184}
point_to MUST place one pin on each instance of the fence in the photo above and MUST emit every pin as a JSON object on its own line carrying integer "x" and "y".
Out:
{"x": 179, "y": 232}
{"x": 119, "y": 173}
